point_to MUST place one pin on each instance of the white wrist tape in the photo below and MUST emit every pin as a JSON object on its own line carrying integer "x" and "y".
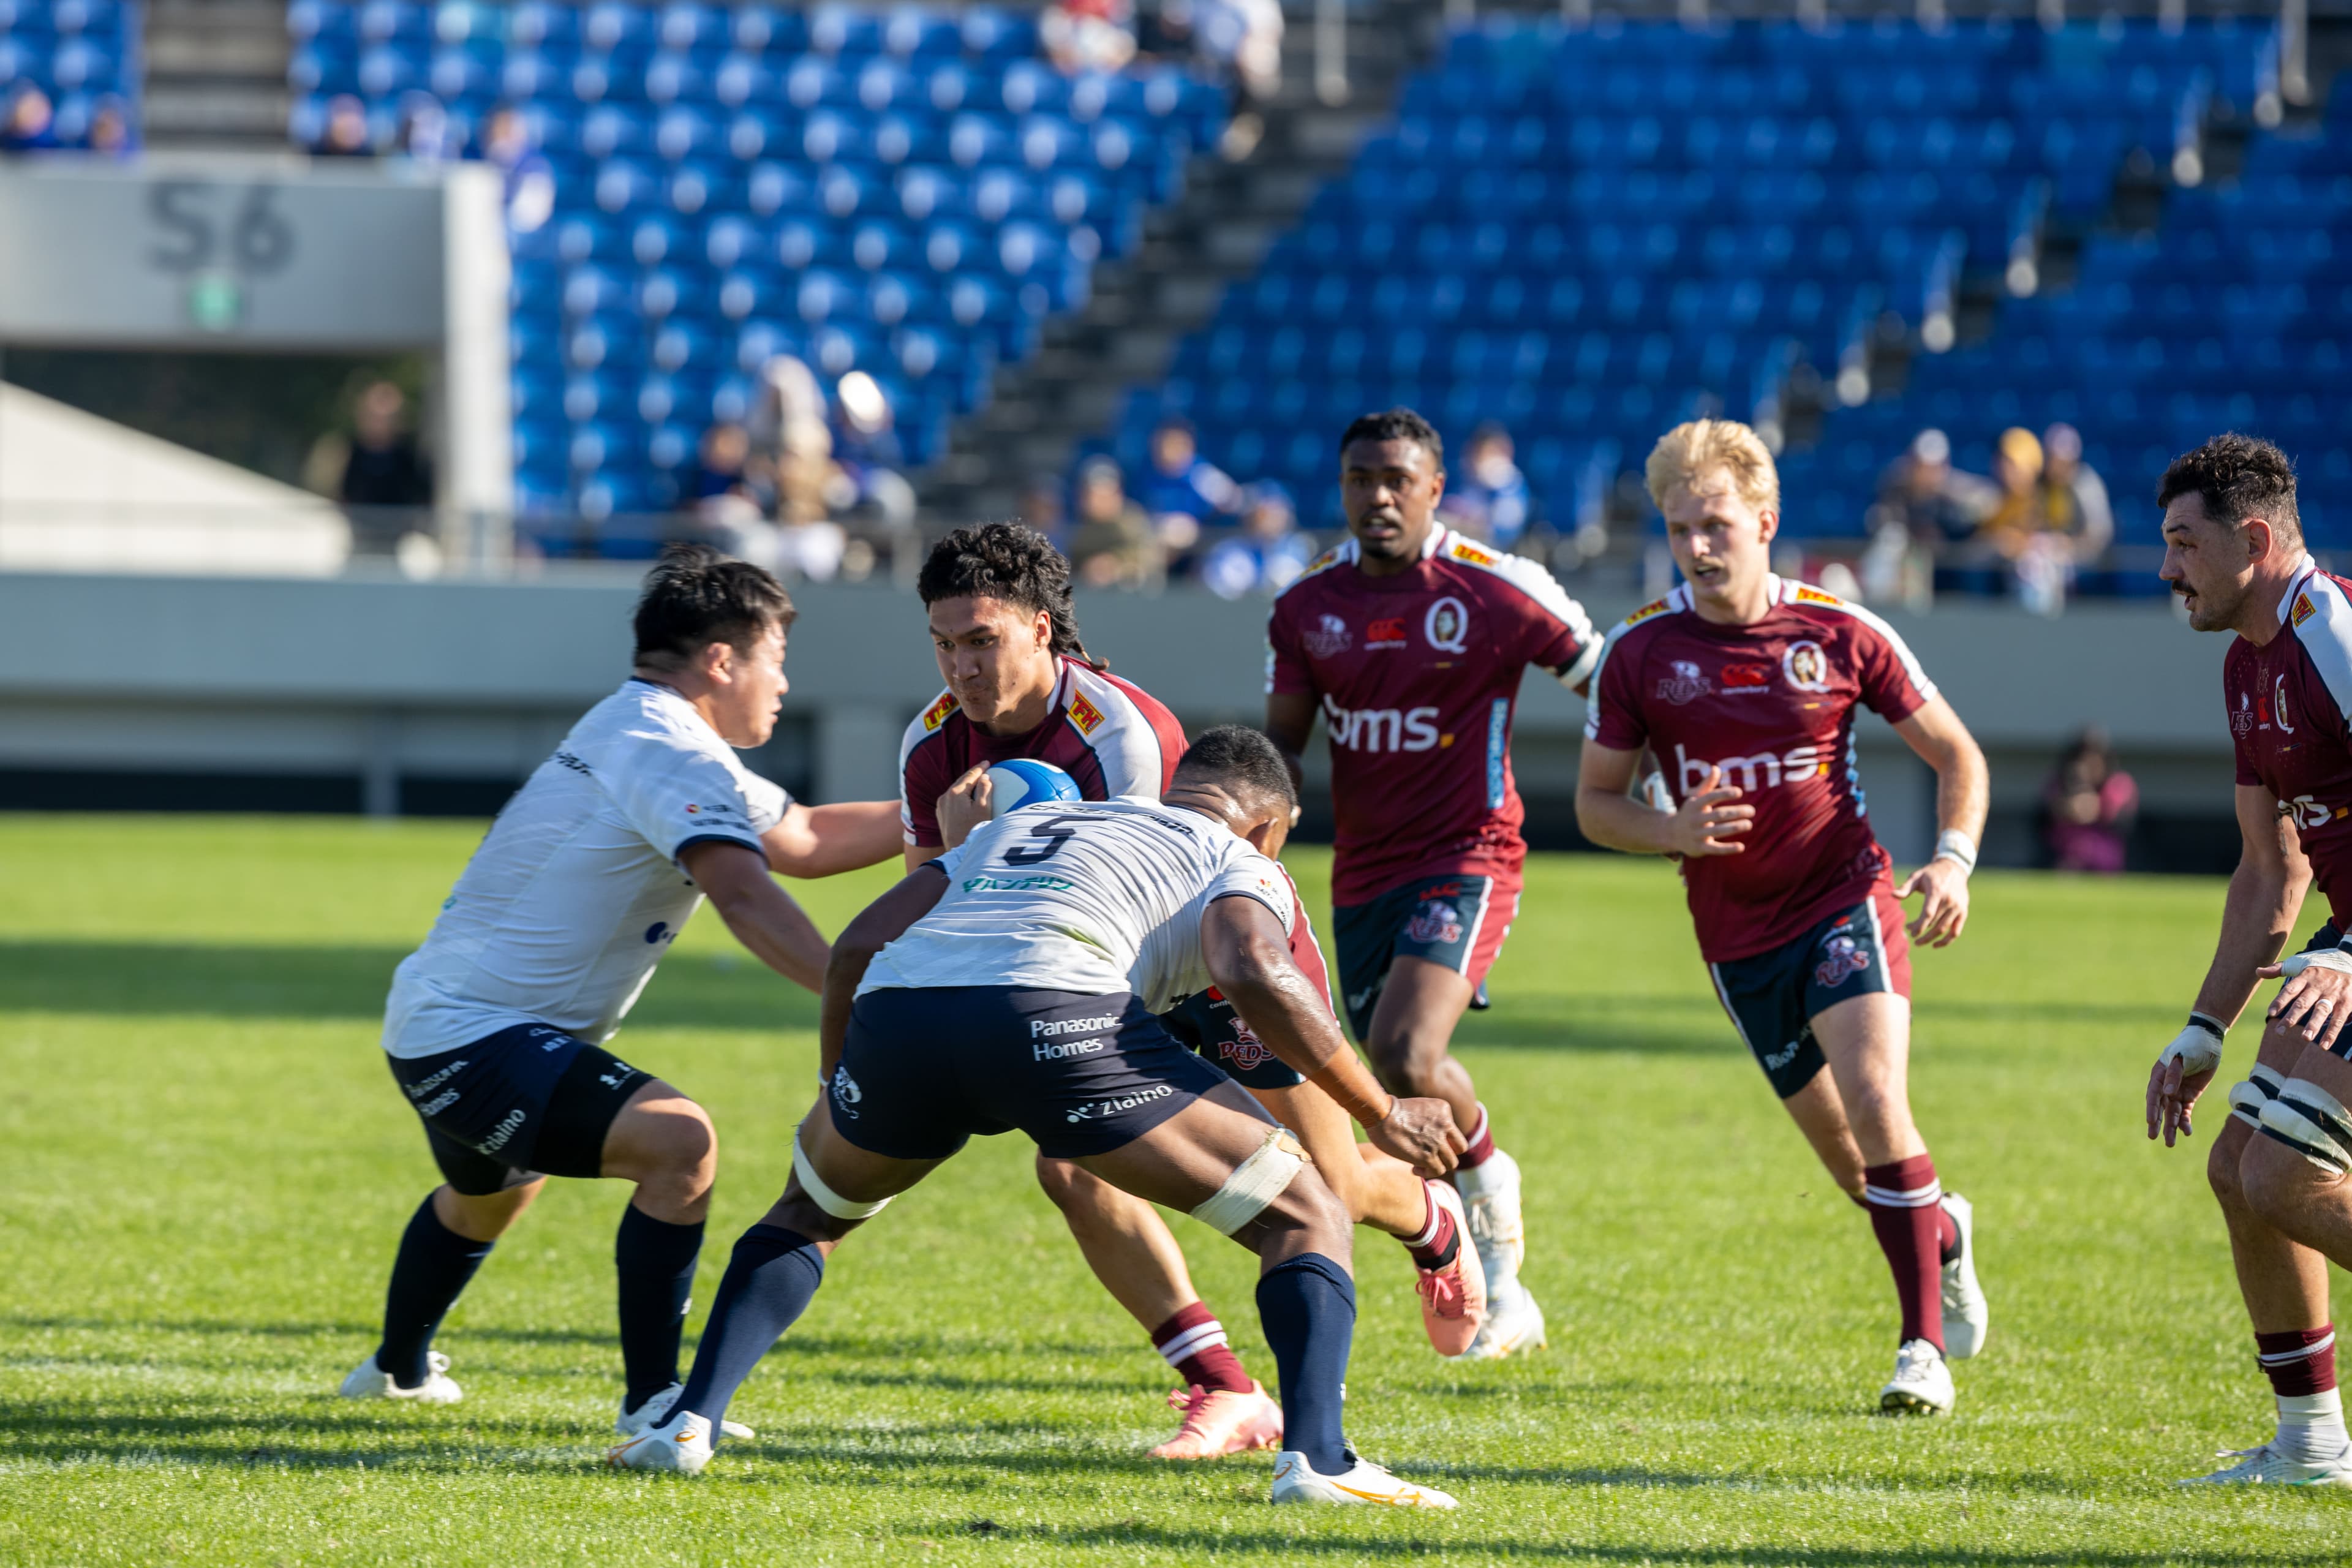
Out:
{"x": 2333, "y": 958}
{"x": 1255, "y": 1182}
{"x": 825, "y": 1197}
{"x": 2195, "y": 1049}
{"x": 1954, "y": 844}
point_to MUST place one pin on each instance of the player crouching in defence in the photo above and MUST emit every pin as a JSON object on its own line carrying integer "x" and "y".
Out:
{"x": 1744, "y": 685}
{"x": 1016, "y": 985}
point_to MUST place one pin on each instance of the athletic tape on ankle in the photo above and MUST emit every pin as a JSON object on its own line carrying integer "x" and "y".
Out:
{"x": 2246, "y": 1099}
{"x": 828, "y": 1200}
{"x": 2313, "y": 1122}
{"x": 1255, "y": 1182}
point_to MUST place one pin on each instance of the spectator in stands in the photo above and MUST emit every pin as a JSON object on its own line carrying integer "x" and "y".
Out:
{"x": 1168, "y": 31}
{"x": 1041, "y": 509}
{"x": 1182, "y": 491}
{"x": 1243, "y": 39}
{"x": 1268, "y": 554}
{"x": 1113, "y": 544}
{"x": 1490, "y": 499}
{"x": 425, "y": 133}
{"x": 2090, "y": 805}
{"x": 2016, "y": 516}
{"x": 2074, "y": 503}
{"x": 508, "y": 147}
{"x": 869, "y": 460}
{"x": 345, "y": 132}
{"x": 386, "y": 479}
{"x": 721, "y": 484}
{"x": 30, "y": 124}
{"x": 790, "y": 434}
{"x": 110, "y": 128}
{"x": 1088, "y": 35}
{"x": 1933, "y": 502}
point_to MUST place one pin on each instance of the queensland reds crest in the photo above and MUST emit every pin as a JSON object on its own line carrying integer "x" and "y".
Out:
{"x": 1245, "y": 1049}
{"x": 2278, "y": 707}
{"x": 2241, "y": 722}
{"x": 1806, "y": 666}
{"x": 1436, "y": 923}
{"x": 1686, "y": 684}
{"x": 1448, "y": 626}
{"x": 1327, "y": 636}
{"x": 1845, "y": 958}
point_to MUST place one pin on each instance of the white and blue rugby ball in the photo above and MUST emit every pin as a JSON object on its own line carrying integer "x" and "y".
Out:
{"x": 1022, "y": 782}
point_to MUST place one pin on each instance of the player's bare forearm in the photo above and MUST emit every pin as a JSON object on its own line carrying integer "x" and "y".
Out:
{"x": 920, "y": 855}
{"x": 1615, "y": 820}
{"x": 825, "y": 840}
{"x": 2257, "y": 918}
{"x": 1289, "y": 721}
{"x": 1249, "y": 958}
{"x": 761, "y": 915}
{"x": 1963, "y": 782}
{"x": 878, "y": 925}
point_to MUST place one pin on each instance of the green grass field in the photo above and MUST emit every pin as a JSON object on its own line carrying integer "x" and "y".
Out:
{"x": 206, "y": 1168}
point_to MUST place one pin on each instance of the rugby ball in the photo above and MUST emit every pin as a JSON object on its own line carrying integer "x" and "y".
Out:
{"x": 1022, "y": 782}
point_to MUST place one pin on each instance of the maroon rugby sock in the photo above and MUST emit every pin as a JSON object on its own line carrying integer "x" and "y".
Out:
{"x": 1439, "y": 1239}
{"x": 2298, "y": 1361}
{"x": 1194, "y": 1343}
{"x": 1906, "y": 1214}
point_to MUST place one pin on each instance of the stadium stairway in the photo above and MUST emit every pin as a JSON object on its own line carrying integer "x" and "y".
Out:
{"x": 1042, "y": 410}
{"x": 216, "y": 74}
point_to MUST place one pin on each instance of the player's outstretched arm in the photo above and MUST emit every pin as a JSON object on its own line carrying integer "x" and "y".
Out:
{"x": 1289, "y": 721}
{"x": 2265, "y": 894}
{"x": 763, "y": 917}
{"x": 1708, "y": 821}
{"x": 878, "y": 925}
{"x": 1248, "y": 956}
{"x": 1963, "y": 790}
{"x": 825, "y": 840}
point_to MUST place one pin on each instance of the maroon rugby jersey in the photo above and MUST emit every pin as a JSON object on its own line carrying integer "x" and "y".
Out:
{"x": 1773, "y": 704}
{"x": 2287, "y": 704}
{"x": 1110, "y": 736}
{"x": 1419, "y": 676}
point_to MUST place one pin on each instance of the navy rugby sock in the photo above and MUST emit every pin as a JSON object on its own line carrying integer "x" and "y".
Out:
{"x": 769, "y": 1283}
{"x": 1307, "y": 1306}
{"x": 428, "y": 1277}
{"x": 655, "y": 1260}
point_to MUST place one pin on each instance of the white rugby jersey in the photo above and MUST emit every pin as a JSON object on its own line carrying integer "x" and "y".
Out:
{"x": 1088, "y": 897}
{"x": 576, "y": 893}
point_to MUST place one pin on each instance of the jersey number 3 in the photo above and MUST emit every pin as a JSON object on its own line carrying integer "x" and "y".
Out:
{"x": 1055, "y": 833}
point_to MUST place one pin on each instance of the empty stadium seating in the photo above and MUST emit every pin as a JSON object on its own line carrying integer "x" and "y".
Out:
{"x": 908, "y": 193}
{"x": 1589, "y": 235}
{"x": 83, "y": 54}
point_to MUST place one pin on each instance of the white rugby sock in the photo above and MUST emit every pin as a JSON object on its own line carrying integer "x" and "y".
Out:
{"x": 2311, "y": 1427}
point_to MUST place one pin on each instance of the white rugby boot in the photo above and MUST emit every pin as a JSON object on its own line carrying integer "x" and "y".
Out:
{"x": 1922, "y": 1385}
{"x": 1514, "y": 1324}
{"x": 1295, "y": 1480}
{"x": 1490, "y": 1193}
{"x": 680, "y": 1446}
{"x": 369, "y": 1381}
{"x": 655, "y": 1410}
{"x": 2266, "y": 1466}
{"x": 1966, "y": 1314}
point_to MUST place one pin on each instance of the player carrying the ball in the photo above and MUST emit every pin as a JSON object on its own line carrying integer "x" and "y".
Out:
{"x": 1411, "y": 640}
{"x": 2233, "y": 552}
{"x": 1744, "y": 685}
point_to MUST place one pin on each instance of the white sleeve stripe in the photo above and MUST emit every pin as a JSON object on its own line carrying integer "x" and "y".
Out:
{"x": 1912, "y": 668}
{"x": 2327, "y": 637}
{"x": 1601, "y": 657}
{"x": 1530, "y": 578}
{"x": 1125, "y": 744}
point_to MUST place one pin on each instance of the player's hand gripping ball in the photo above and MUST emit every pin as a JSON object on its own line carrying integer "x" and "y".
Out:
{"x": 1022, "y": 782}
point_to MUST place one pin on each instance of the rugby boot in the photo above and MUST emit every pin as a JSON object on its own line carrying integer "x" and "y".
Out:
{"x": 1514, "y": 1324}
{"x": 1965, "y": 1315}
{"x": 369, "y": 1381}
{"x": 680, "y": 1444}
{"x": 1453, "y": 1298}
{"x": 2266, "y": 1466}
{"x": 1295, "y": 1480}
{"x": 1922, "y": 1385}
{"x": 655, "y": 1410}
{"x": 1217, "y": 1423}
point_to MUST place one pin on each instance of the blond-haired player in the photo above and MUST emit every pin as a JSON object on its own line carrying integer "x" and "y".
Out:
{"x": 1745, "y": 686}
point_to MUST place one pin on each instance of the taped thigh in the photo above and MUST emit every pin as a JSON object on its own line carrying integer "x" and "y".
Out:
{"x": 1255, "y": 1182}
{"x": 825, "y": 1197}
{"x": 2261, "y": 1087}
{"x": 2313, "y": 1122}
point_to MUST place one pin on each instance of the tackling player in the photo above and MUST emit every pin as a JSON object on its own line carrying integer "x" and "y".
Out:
{"x": 1745, "y": 685}
{"x": 1019, "y": 990}
{"x": 495, "y": 1026}
{"x": 1413, "y": 640}
{"x": 2233, "y": 551}
{"x": 1019, "y": 684}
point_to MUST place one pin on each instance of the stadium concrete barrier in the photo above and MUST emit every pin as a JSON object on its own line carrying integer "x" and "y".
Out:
{"x": 400, "y": 690}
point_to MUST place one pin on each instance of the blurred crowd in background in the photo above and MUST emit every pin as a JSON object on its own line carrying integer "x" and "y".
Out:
{"x": 32, "y": 121}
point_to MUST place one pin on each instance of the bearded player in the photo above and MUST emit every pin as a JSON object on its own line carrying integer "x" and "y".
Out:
{"x": 1745, "y": 686}
{"x": 1019, "y": 684}
{"x": 2233, "y": 551}
{"x": 1411, "y": 640}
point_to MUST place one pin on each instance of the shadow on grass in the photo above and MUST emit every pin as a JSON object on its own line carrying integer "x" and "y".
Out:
{"x": 136, "y": 977}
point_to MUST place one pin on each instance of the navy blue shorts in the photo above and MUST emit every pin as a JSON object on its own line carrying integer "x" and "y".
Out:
{"x": 1450, "y": 919}
{"x": 925, "y": 1070}
{"x": 1206, "y": 1023}
{"x": 1774, "y": 997}
{"x": 525, "y": 1102}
